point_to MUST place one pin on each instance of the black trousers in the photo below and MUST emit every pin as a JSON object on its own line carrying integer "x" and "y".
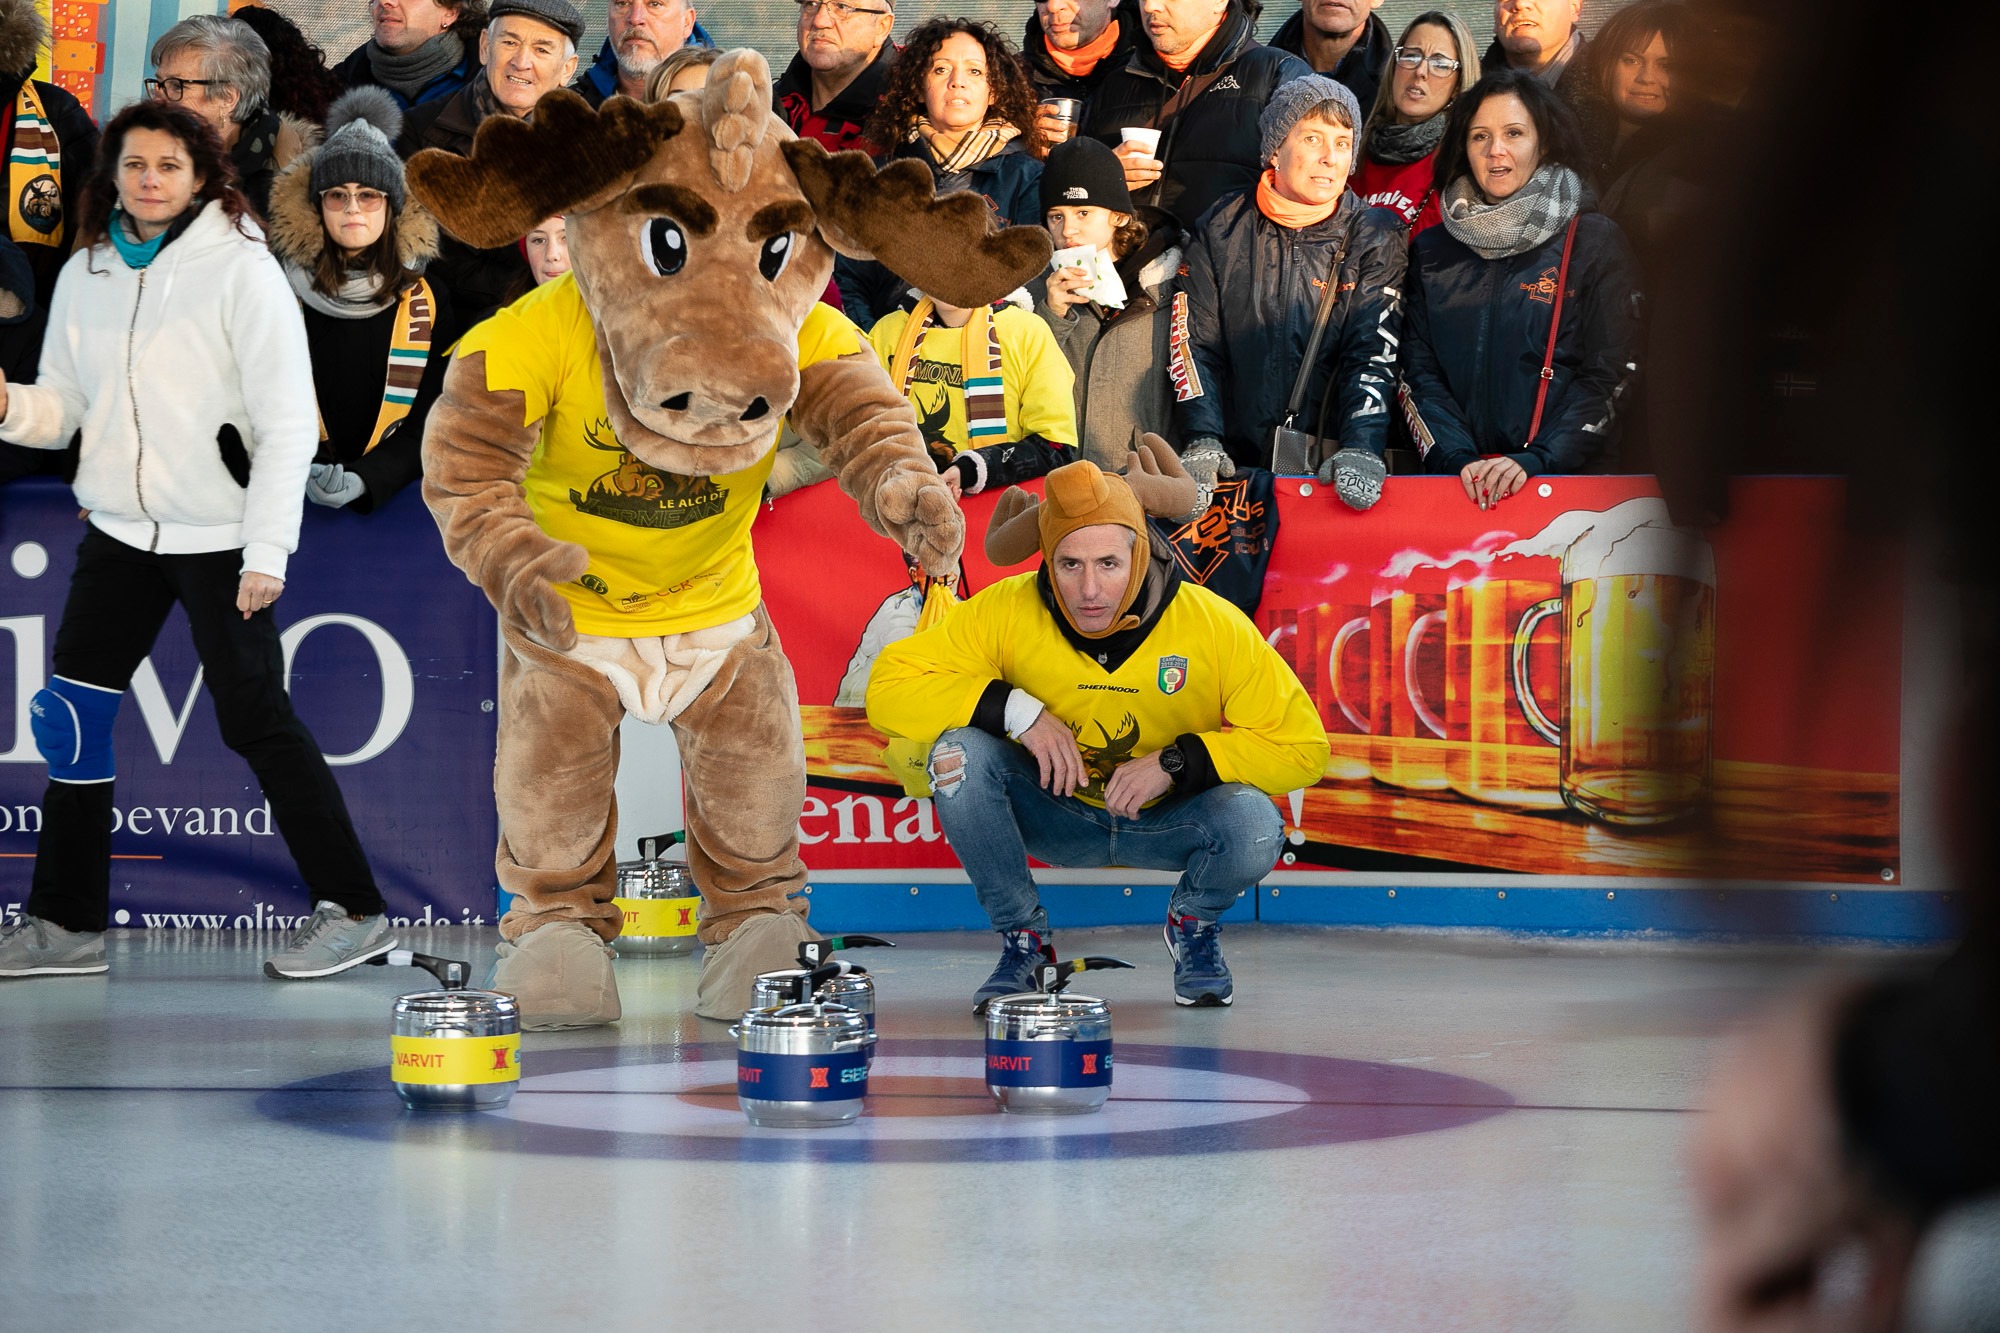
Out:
{"x": 119, "y": 598}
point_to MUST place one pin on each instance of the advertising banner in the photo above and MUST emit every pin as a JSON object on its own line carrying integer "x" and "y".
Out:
{"x": 391, "y": 662}
{"x": 1565, "y": 685}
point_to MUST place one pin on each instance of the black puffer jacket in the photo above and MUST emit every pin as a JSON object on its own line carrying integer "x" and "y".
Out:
{"x": 1211, "y": 146}
{"x": 1474, "y": 334}
{"x": 1253, "y": 289}
{"x": 1051, "y": 80}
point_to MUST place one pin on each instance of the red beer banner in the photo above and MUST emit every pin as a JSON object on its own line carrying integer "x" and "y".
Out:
{"x": 1564, "y": 685}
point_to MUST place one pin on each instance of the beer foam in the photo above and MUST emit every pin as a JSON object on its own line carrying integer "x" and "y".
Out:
{"x": 1636, "y": 537}
{"x": 1484, "y": 550}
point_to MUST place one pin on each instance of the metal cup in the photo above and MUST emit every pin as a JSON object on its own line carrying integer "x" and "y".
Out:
{"x": 801, "y": 1066}
{"x": 1048, "y": 1054}
{"x": 661, "y": 906}
{"x": 1066, "y": 112}
{"x": 455, "y": 1050}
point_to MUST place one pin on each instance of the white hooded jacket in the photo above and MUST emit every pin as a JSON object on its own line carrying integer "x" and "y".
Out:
{"x": 168, "y": 370}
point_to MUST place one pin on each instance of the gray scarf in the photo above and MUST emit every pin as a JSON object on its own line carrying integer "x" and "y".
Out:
{"x": 1396, "y": 145}
{"x": 1519, "y": 223}
{"x": 408, "y": 74}
{"x": 359, "y": 297}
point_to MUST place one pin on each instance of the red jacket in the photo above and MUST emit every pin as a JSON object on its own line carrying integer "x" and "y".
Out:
{"x": 1405, "y": 188}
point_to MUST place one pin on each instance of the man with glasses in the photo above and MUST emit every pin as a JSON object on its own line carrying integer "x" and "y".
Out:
{"x": 1071, "y": 45}
{"x": 1541, "y": 37}
{"x": 419, "y": 50}
{"x": 832, "y": 85}
{"x": 1342, "y": 39}
{"x": 642, "y": 34}
{"x": 221, "y": 70}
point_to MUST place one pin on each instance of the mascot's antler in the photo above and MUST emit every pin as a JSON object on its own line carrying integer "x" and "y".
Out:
{"x": 565, "y": 158}
{"x": 735, "y": 106}
{"x": 1153, "y": 471}
{"x": 891, "y": 215}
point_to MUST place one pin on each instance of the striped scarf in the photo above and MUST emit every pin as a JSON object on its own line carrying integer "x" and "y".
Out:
{"x": 985, "y": 390}
{"x": 34, "y": 173}
{"x": 972, "y": 149}
{"x": 409, "y": 353}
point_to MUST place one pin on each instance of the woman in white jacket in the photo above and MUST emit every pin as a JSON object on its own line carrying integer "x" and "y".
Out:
{"x": 175, "y": 345}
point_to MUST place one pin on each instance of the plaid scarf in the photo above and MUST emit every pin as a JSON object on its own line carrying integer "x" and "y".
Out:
{"x": 34, "y": 173}
{"x": 1524, "y": 220}
{"x": 974, "y": 148}
{"x": 985, "y": 391}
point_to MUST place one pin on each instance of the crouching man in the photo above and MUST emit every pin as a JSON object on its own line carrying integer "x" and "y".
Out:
{"x": 1078, "y": 716}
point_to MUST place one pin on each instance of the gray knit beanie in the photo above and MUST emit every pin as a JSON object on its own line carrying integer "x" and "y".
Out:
{"x": 361, "y": 129}
{"x": 1296, "y": 100}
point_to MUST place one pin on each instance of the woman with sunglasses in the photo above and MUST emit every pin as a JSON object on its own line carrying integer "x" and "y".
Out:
{"x": 1432, "y": 64}
{"x": 355, "y": 247}
{"x": 174, "y": 345}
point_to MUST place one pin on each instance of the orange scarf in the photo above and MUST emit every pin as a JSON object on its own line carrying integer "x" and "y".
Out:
{"x": 1285, "y": 212}
{"x": 1084, "y": 59}
{"x": 1180, "y": 62}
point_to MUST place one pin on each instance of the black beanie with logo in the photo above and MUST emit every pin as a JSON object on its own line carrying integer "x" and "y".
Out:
{"x": 1084, "y": 172}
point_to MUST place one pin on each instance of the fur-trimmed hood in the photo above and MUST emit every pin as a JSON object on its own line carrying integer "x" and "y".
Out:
{"x": 297, "y": 236}
{"x": 23, "y": 34}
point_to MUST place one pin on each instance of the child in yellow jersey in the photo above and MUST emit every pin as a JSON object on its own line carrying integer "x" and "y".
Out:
{"x": 1096, "y": 712}
{"x": 993, "y": 395}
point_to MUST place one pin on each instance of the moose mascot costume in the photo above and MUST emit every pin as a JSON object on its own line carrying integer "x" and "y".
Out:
{"x": 599, "y": 453}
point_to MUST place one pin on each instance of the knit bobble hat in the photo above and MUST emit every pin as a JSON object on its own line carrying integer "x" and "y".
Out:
{"x": 1084, "y": 172}
{"x": 361, "y": 128}
{"x": 1296, "y": 100}
{"x": 561, "y": 15}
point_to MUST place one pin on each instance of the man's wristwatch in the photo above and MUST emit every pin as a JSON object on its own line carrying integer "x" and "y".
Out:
{"x": 1173, "y": 763}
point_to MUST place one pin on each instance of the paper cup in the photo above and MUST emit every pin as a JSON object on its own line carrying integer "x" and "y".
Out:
{"x": 1148, "y": 139}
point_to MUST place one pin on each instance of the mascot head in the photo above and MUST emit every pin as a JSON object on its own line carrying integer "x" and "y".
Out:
{"x": 701, "y": 231}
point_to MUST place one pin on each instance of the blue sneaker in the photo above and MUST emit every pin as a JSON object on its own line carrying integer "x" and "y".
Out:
{"x": 1022, "y": 952}
{"x": 1201, "y": 978}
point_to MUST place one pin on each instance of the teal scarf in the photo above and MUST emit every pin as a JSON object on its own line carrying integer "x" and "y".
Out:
{"x": 136, "y": 254}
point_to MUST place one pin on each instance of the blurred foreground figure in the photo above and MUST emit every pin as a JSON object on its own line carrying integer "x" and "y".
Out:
{"x": 1847, "y": 1169}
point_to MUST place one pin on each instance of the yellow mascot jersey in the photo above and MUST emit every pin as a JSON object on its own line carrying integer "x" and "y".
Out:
{"x": 1039, "y": 384}
{"x": 1203, "y": 665}
{"x": 667, "y": 553}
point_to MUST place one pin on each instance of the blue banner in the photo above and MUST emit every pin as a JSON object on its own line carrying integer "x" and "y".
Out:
{"x": 1048, "y": 1064}
{"x": 392, "y": 661}
{"x": 766, "y": 1076}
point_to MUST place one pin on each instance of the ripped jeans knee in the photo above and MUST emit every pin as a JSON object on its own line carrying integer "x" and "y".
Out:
{"x": 946, "y": 768}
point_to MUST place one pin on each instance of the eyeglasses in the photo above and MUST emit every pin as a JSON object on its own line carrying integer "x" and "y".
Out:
{"x": 1409, "y": 57}
{"x": 172, "y": 90}
{"x": 340, "y": 200}
{"x": 841, "y": 13}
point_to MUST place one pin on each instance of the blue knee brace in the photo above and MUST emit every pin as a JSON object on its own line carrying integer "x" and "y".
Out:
{"x": 72, "y": 726}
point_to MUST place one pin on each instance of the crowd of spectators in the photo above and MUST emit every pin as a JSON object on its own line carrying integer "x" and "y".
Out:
{"x": 1481, "y": 225}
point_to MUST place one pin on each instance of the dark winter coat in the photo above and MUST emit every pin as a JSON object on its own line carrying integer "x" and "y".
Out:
{"x": 1253, "y": 289}
{"x": 1362, "y": 69}
{"x": 349, "y": 359}
{"x": 1011, "y": 183}
{"x": 264, "y": 147}
{"x": 1051, "y": 80}
{"x": 356, "y": 72}
{"x": 23, "y": 320}
{"x": 77, "y": 135}
{"x": 1211, "y": 147}
{"x": 1474, "y": 334}
{"x": 838, "y": 123}
{"x": 601, "y": 79}
{"x": 479, "y": 280}
{"x": 1120, "y": 358}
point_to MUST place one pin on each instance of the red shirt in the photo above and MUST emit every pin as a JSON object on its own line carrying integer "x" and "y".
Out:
{"x": 1405, "y": 188}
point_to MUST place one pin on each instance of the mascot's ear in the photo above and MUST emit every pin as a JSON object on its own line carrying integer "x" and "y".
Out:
{"x": 566, "y": 158}
{"x": 1014, "y": 533}
{"x": 944, "y": 247}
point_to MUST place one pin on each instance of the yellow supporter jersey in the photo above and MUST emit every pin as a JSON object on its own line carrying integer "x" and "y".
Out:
{"x": 668, "y": 553}
{"x": 1202, "y": 666}
{"x": 1039, "y": 385}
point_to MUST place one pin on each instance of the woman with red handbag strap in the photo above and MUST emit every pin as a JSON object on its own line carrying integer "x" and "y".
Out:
{"x": 1521, "y": 317}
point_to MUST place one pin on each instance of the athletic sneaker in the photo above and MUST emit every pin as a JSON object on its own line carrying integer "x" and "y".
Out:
{"x": 330, "y": 941}
{"x": 1201, "y": 978}
{"x": 1022, "y": 952}
{"x": 38, "y": 948}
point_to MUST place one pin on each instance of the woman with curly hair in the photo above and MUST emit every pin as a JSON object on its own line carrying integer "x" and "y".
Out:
{"x": 301, "y": 83}
{"x": 959, "y": 101}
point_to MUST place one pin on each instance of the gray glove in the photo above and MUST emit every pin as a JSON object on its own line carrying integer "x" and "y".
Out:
{"x": 1205, "y": 461}
{"x": 1356, "y": 476}
{"x": 332, "y": 485}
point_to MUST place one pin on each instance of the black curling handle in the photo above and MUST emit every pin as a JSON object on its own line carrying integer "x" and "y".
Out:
{"x": 450, "y": 972}
{"x": 1051, "y": 977}
{"x": 815, "y": 953}
{"x": 839, "y": 967}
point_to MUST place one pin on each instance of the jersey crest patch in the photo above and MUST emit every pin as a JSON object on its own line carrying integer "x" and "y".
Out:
{"x": 1173, "y": 674}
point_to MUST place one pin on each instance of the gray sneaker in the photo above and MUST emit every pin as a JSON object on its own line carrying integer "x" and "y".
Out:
{"x": 330, "y": 941}
{"x": 38, "y": 948}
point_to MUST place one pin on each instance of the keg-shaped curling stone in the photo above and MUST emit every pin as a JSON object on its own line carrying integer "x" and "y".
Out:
{"x": 801, "y": 1066}
{"x": 452, "y": 1049}
{"x": 820, "y": 977}
{"x": 1048, "y": 1052}
{"x": 659, "y": 900}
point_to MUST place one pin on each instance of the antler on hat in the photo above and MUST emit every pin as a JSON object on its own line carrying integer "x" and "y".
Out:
{"x": 1081, "y": 495}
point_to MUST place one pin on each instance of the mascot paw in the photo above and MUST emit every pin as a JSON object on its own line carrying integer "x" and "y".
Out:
{"x": 532, "y": 602}
{"x": 765, "y": 943}
{"x": 921, "y": 509}
{"x": 560, "y": 975}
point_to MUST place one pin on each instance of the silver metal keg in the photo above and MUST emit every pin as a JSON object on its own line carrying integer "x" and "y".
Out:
{"x": 793, "y": 985}
{"x": 456, "y": 1050}
{"x": 1049, "y": 1052}
{"x": 661, "y": 907}
{"x": 801, "y": 1066}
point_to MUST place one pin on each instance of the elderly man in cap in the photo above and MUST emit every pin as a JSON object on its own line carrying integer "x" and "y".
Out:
{"x": 528, "y": 48}
{"x": 1099, "y": 711}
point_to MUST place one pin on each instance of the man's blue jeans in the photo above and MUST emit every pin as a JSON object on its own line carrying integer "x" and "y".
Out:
{"x": 996, "y": 815}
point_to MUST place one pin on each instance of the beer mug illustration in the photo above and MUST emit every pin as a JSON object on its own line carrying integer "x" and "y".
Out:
{"x": 1497, "y": 755}
{"x": 1343, "y": 688}
{"x": 1638, "y": 664}
{"x": 1406, "y": 686}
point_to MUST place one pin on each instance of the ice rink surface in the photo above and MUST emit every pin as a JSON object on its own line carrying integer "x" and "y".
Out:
{"x": 1386, "y": 1132}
